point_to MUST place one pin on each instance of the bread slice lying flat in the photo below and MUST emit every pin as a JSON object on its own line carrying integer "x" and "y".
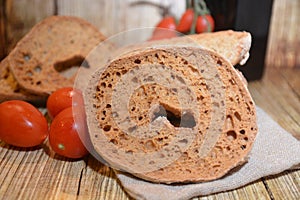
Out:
{"x": 43, "y": 60}
{"x": 10, "y": 89}
{"x": 171, "y": 114}
{"x": 232, "y": 45}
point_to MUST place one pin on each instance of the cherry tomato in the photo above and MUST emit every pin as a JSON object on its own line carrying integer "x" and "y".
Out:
{"x": 168, "y": 23}
{"x": 21, "y": 124}
{"x": 186, "y": 21}
{"x": 63, "y": 135}
{"x": 165, "y": 29}
{"x": 205, "y": 23}
{"x": 59, "y": 100}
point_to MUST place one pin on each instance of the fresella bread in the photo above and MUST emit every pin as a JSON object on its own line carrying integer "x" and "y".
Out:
{"x": 170, "y": 114}
{"x": 43, "y": 60}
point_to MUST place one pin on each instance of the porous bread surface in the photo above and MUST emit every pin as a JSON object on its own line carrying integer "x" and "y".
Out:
{"x": 9, "y": 88}
{"x": 117, "y": 144}
{"x": 52, "y": 47}
{"x": 232, "y": 45}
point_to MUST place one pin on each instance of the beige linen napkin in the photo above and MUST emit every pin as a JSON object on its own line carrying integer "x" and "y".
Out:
{"x": 274, "y": 151}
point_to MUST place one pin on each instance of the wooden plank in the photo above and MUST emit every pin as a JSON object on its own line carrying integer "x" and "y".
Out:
{"x": 292, "y": 77}
{"x": 99, "y": 180}
{"x": 283, "y": 41}
{"x": 285, "y": 185}
{"x": 2, "y": 30}
{"x": 275, "y": 95}
{"x": 34, "y": 174}
{"x": 113, "y": 17}
{"x": 22, "y": 15}
{"x": 255, "y": 190}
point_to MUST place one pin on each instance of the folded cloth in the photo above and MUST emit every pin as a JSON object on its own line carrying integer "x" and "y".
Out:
{"x": 274, "y": 151}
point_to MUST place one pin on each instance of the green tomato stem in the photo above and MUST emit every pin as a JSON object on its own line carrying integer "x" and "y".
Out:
{"x": 193, "y": 28}
{"x": 188, "y": 4}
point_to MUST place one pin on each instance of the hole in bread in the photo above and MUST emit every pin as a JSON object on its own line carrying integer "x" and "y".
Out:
{"x": 16, "y": 90}
{"x": 107, "y": 128}
{"x": 175, "y": 116}
{"x": 231, "y": 135}
{"x": 242, "y": 131}
{"x": 137, "y": 61}
{"x": 37, "y": 69}
{"x": 29, "y": 73}
{"x": 26, "y": 57}
{"x": 114, "y": 141}
{"x": 238, "y": 116}
{"x": 129, "y": 152}
{"x": 103, "y": 84}
{"x": 69, "y": 67}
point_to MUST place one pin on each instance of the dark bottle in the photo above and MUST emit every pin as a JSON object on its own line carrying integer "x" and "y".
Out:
{"x": 244, "y": 15}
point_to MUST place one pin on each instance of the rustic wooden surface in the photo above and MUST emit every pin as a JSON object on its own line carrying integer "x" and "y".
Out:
{"x": 38, "y": 173}
{"x": 115, "y": 16}
{"x": 284, "y": 40}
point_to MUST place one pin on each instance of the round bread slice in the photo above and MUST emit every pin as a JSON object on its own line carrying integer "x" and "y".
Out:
{"x": 171, "y": 114}
{"x": 47, "y": 57}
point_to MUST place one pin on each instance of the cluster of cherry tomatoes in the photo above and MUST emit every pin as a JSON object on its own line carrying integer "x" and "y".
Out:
{"x": 196, "y": 19}
{"x": 23, "y": 125}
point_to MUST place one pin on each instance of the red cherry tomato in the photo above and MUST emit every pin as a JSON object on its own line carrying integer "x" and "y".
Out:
{"x": 21, "y": 124}
{"x": 59, "y": 100}
{"x": 205, "y": 23}
{"x": 186, "y": 21}
{"x": 165, "y": 29}
{"x": 168, "y": 23}
{"x": 63, "y": 135}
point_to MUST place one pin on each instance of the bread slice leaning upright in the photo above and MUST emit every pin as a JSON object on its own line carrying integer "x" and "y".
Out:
{"x": 170, "y": 114}
{"x": 43, "y": 60}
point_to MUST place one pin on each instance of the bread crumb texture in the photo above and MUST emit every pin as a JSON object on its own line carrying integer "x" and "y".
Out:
{"x": 151, "y": 112}
{"x": 47, "y": 57}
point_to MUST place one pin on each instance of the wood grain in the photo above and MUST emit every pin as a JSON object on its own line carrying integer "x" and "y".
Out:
{"x": 115, "y": 16}
{"x": 2, "y": 30}
{"x": 285, "y": 185}
{"x": 284, "y": 41}
{"x": 276, "y": 95}
{"x": 38, "y": 173}
{"x": 22, "y": 15}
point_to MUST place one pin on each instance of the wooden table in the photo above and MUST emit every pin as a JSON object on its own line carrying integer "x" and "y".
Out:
{"x": 38, "y": 173}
